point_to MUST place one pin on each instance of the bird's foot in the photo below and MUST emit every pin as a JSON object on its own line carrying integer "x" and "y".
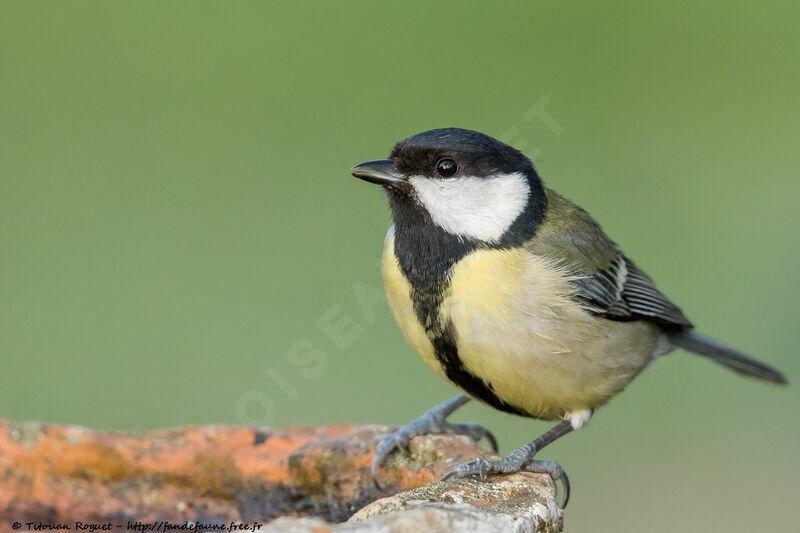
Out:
{"x": 520, "y": 460}
{"x": 433, "y": 421}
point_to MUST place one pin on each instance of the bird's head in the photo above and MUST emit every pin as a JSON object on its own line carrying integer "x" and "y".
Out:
{"x": 463, "y": 182}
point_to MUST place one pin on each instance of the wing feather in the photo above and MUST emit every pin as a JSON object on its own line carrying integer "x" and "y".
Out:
{"x": 608, "y": 283}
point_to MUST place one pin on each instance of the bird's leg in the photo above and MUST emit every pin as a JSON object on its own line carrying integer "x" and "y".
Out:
{"x": 434, "y": 420}
{"x": 521, "y": 460}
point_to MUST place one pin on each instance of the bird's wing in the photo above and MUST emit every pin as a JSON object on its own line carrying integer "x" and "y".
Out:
{"x": 608, "y": 283}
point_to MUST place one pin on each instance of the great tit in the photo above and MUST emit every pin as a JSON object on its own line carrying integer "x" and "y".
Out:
{"x": 516, "y": 295}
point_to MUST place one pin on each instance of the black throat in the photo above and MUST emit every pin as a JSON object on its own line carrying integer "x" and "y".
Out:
{"x": 427, "y": 253}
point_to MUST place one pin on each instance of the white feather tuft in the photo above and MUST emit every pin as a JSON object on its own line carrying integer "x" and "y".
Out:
{"x": 578, "y": 419}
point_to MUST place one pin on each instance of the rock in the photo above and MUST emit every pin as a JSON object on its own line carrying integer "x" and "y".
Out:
{"x": 287, "y": 479}
{"x": 517, "y": 503}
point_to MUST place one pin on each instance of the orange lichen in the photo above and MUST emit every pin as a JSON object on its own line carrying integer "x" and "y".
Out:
{"x": 229, "y": 472}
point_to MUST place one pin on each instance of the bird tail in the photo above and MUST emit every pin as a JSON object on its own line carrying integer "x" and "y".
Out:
{"x": 694, "y": 342}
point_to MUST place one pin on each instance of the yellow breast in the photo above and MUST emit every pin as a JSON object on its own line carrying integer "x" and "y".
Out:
{"x": 520, "y": 329}
{"x": 398, "y": 294}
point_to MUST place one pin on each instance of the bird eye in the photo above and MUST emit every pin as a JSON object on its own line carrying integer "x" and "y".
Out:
{"x": 446, "y": 167}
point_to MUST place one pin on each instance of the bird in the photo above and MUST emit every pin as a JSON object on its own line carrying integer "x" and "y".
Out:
{"x": 516, "y": 296}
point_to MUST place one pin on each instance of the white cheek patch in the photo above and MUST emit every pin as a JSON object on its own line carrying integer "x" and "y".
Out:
{"x": 468, "y": 206}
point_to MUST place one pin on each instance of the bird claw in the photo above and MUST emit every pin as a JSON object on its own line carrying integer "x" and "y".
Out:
{"x": 427, "y": 424}
{"x": 480, "y": 466}
{"x": 483, "y": 467}
{"x": 556, "y": 473}
{"x": 474, "y": 431}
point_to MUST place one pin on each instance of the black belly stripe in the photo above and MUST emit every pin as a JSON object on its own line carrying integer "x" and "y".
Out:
{"x": 445, "y": 345}
{"x": 447, "y": 354}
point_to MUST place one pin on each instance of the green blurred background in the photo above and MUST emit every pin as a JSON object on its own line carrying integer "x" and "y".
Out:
{"x": 179, "y": 229}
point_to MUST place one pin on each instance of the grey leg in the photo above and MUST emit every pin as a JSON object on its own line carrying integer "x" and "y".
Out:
{"x": 519, "y": 460}
{"x": 434, "y": 420}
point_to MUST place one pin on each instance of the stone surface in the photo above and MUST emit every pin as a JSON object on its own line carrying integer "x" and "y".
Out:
{"x": 308, "y": 479}
{"x": 517, "y": 503}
